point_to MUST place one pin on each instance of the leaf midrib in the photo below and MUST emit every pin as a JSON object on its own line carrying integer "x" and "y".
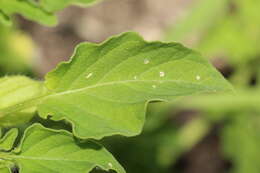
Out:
{"x": 119, "y": 82}
{"x": 34, "y": 102}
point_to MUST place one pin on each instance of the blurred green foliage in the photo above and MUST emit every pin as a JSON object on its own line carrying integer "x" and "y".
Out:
{"x": 241, "y": 140}
{"x": 239, "y": 116}
{"x": 225, "y": 29}
{"x": 16, "y": 52}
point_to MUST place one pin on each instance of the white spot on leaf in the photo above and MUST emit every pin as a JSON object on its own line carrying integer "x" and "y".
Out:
{"x": 98, "y": 168}
{"x": 135, "y": 77}
{"x": 162, "y": 74}
{"x": 154, "y": 86}
{"x": 146, "y": 61}
{"x": 89, "y": 75}
{"x": 198, "y": 77}
{"x": 110, "y": 165}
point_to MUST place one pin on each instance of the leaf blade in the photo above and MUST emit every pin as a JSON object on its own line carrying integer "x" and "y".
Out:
{"x": 100, "y": 93}
{"x": 56, "y": 151}
{"x": 7, "y": 142}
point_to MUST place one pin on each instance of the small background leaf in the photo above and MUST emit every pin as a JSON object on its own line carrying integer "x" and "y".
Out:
{"x": 54, "y": 6}
{"x": 27, "y": 10}
{"x": 7, "y": 142}
{"x": 42, "y": 11}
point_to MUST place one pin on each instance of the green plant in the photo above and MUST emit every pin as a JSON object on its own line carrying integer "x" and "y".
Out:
{"x": 42, "y": 11}
{"x": 102, "y": 91}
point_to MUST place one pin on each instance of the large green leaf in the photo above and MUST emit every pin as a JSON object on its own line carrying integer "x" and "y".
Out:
{"x": 44, "y": 150}
{"x": 105, "y": 88}
{"x": 17, "y": 99}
